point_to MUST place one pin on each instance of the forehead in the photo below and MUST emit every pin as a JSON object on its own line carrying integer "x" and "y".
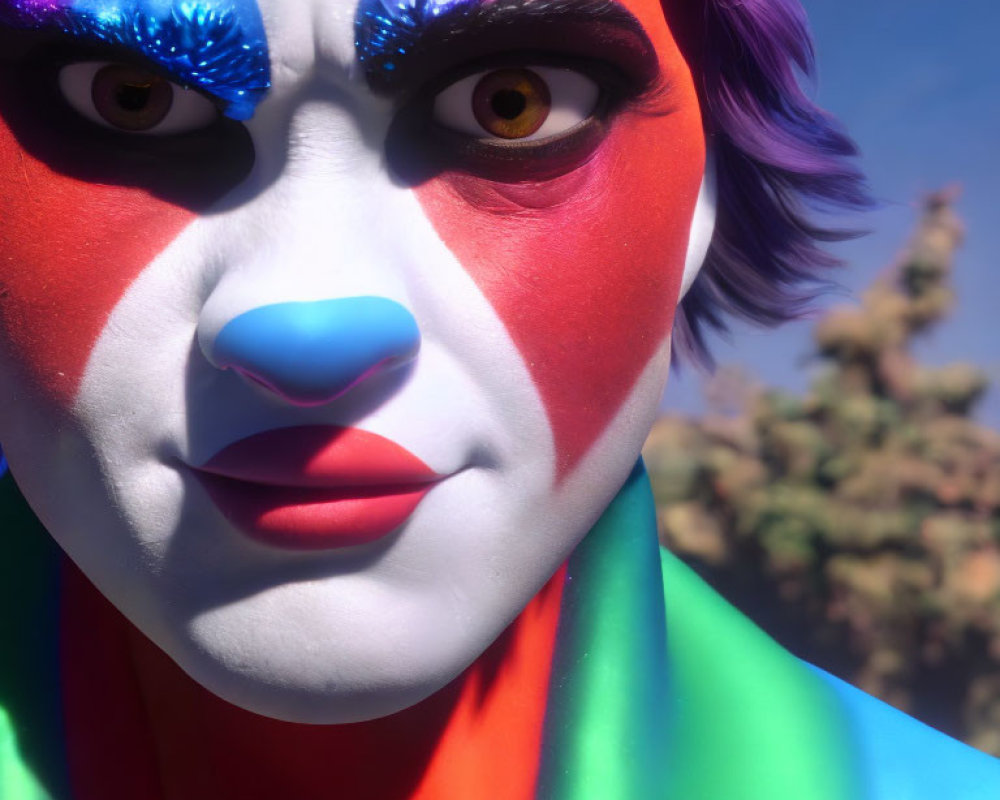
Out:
{"x": 342, "y": 32}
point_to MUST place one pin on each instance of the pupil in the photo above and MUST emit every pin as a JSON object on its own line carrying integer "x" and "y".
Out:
{"x": 508, "y": 103}
{"x": 133, "y": 96}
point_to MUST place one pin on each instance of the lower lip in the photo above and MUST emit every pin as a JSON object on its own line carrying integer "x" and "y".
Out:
{"x": 313, "y": 518}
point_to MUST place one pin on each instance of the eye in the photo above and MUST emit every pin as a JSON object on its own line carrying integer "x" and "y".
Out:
{"x": 523, "y": 104}
{"x": 132, "y": 99}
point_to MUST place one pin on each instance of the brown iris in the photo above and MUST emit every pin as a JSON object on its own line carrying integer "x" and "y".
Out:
{"x": 130, "y": 98}
{"x": 511, "y": 103}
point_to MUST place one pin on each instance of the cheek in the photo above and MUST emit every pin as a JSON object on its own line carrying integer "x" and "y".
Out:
{"x": 584, "y": 270}
{"x": 69, "y": 250}
{"x": 82, "y": 213}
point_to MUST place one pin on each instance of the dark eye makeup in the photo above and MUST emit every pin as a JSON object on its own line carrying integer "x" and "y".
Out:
{"x": 419, "y": 145}
{"x": 506, "y": 138}
{"x": 193, "y": 168}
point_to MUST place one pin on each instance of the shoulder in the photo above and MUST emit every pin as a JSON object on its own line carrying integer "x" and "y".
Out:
{"x": 810, "y": 729}
{"x": 903, "y": 759}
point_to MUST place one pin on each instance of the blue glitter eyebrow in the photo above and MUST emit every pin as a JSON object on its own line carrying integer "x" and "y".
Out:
{"x": 217, "y": 46}
{"x": 392, "y": 35}
{"x": 384, "y": 30}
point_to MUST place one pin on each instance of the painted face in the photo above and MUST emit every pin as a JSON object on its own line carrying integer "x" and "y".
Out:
{"x": 320, "y": 383}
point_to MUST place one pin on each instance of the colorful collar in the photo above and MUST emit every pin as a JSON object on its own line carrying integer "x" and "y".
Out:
{"x": 660, "y": 689}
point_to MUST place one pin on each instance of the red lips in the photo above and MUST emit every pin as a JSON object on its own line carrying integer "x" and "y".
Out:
{"x": 316, "y": 487}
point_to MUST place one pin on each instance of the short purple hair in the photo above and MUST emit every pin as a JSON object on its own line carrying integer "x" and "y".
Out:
{"x": 778, "y": 158}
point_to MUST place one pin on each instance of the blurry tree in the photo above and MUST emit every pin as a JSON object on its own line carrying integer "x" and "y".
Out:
{"x": 859, "y": 524}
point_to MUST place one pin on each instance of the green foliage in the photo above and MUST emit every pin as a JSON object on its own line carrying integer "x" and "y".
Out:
{"x": 859, "y": 523}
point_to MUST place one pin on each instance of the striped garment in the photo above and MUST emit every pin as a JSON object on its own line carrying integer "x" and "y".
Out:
{"x": 661, "y": 690}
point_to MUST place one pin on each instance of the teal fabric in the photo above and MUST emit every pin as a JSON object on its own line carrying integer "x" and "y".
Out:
{"x": 607, "y": 722}
{"x": 716, "y": 710}
{"x": 32, "y": 755}
{"x": 713, "y": 710}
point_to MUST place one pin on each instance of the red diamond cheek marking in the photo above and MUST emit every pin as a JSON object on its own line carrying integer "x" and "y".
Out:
{"x": 586, "y": 286}
{"x": 68, "y": 252}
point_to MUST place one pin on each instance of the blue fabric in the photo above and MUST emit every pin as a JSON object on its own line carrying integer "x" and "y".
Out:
{"x": 903, "y": 759}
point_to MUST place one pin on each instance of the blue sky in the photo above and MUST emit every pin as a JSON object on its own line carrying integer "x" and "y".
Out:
{"x": 917, "y": 85}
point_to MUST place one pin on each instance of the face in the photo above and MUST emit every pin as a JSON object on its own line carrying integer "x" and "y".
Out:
{"x": 320, "y": 383}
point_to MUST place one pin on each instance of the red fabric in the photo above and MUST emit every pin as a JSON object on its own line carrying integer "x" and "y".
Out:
{"x": 139, "y": 729}
{"x": 109, "y": 746}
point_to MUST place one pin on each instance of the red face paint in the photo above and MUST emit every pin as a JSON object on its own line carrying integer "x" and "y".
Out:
{"x": 82, "y": 212}
{"x": 584, "y": 269}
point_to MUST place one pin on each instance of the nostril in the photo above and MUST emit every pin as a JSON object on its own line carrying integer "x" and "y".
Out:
{"x": 311, "y": 352}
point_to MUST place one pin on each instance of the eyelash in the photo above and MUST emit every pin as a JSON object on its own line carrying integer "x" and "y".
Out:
{"x": 208, "y": 49}
{"x": 417, "y": 136}
{"x": 414, "y": 131}
{"x": 97, "y": 90}
{"x": 45, "y": 61}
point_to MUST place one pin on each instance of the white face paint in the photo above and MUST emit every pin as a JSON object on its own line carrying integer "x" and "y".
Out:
{"x": 332, "y": 634}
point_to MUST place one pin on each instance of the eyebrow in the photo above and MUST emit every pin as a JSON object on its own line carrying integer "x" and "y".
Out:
{"x": 216, "y": 46}
{"x": 392, "y": 35}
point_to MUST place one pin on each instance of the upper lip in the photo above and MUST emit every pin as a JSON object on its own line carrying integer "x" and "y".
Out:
{"x": 319, "y": 456}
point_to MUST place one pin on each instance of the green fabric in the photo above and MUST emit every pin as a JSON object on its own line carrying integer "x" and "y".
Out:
{"x": 717, "y": 712}
{"x": 752, "y": 721}
{"x": 17, "y": 781}
{"x": 32, "y": 756}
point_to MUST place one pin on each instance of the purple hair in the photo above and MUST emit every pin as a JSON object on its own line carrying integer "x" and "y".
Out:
{"x": 778, "y": 158}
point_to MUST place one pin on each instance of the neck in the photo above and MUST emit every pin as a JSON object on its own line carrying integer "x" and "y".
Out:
{"x": 163, "y": 736}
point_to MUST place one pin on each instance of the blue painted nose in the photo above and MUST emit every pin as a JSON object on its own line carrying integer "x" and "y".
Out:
{"x": 309, "y": 353}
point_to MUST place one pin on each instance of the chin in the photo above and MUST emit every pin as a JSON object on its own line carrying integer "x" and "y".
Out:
{"x": 332, "y": 693}
{"x": 309, "y": 666}
{"x": 284, "y": 698}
